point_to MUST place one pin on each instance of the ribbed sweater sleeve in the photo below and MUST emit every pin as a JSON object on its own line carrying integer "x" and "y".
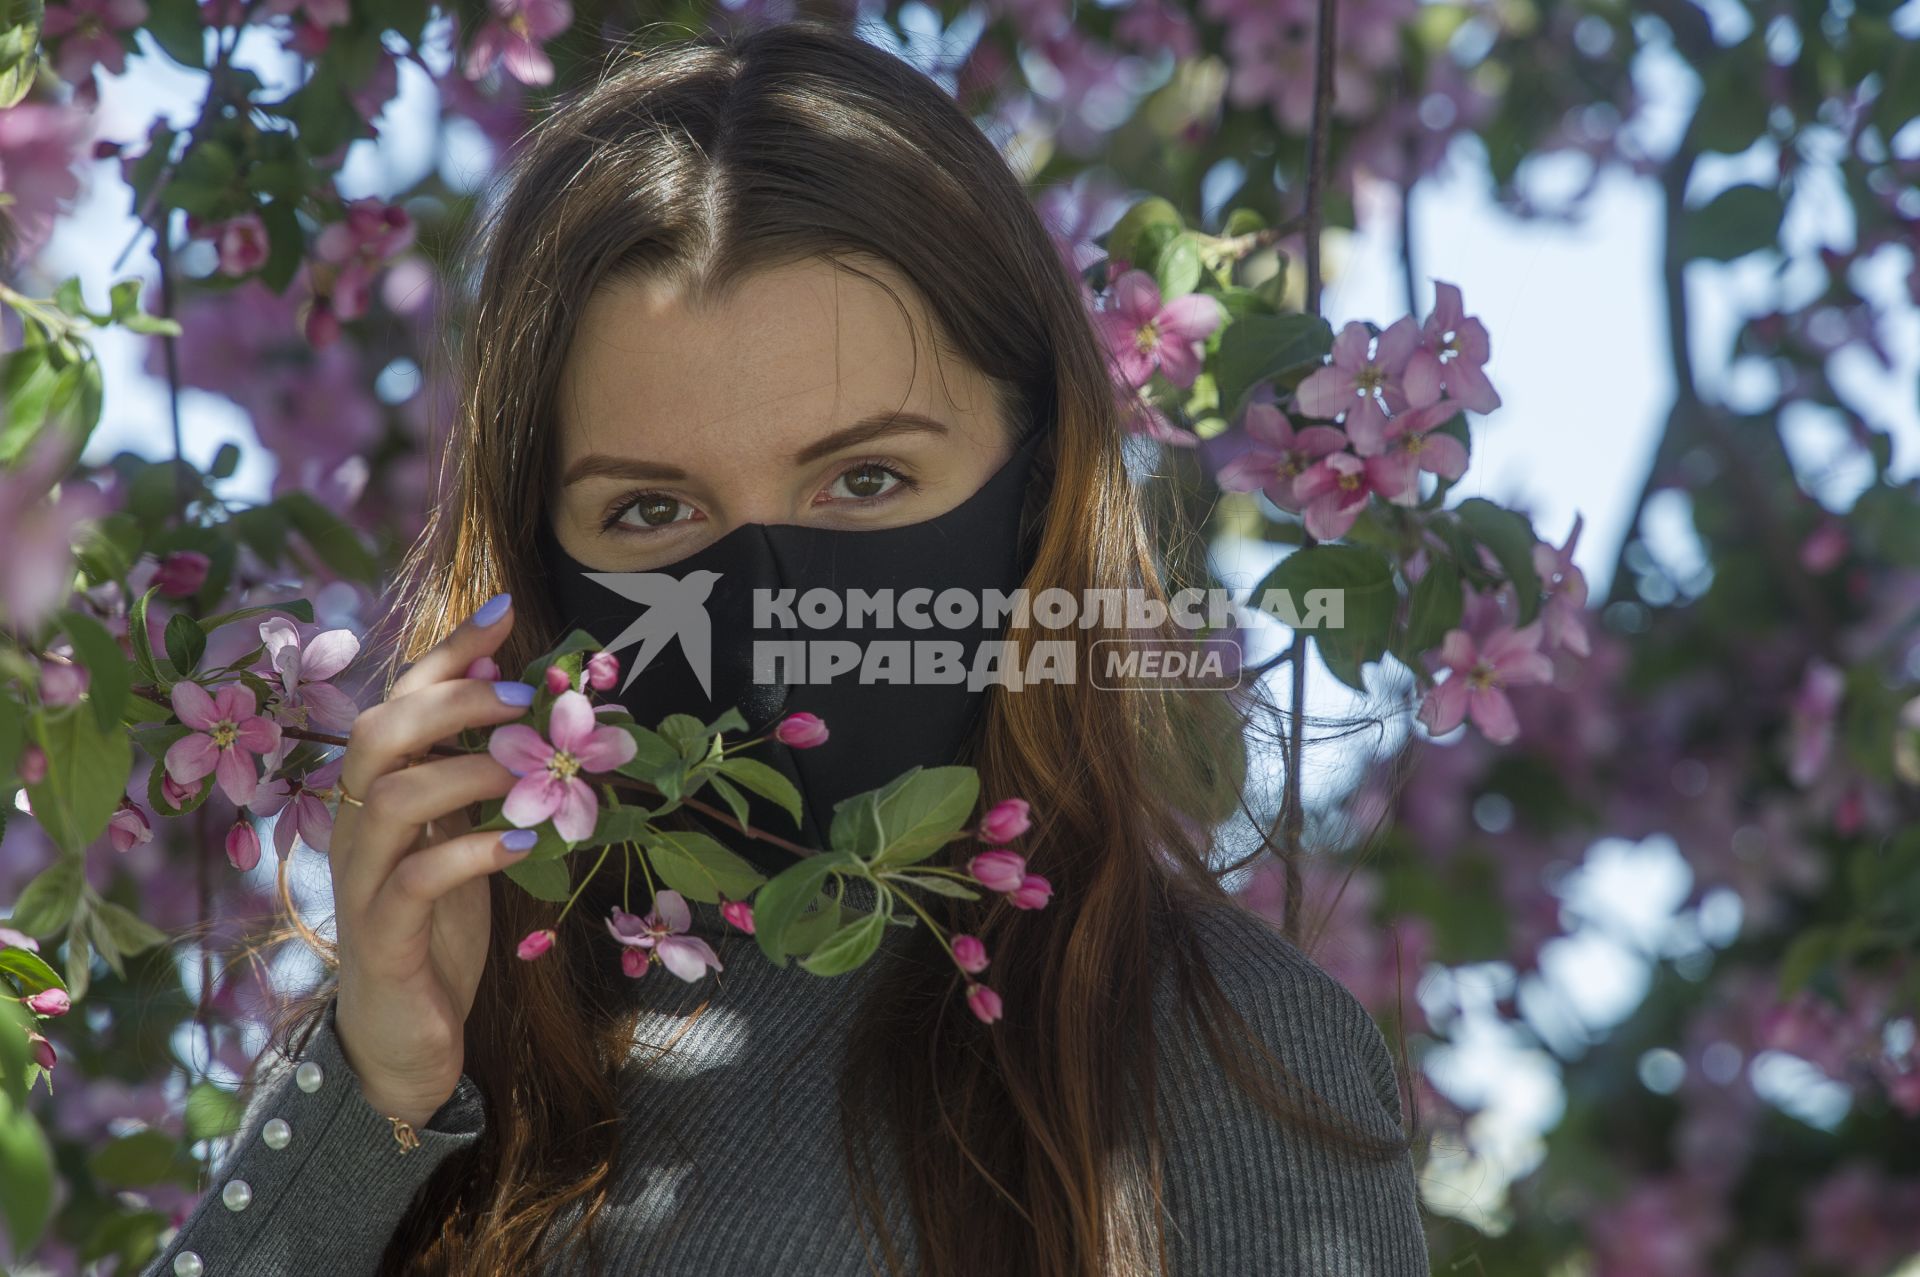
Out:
{"x": 314, "y": 1181}
{"x": 1249, "y": 1195}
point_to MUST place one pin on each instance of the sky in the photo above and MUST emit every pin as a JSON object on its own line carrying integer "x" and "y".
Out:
{"x": 1578, "y": 340}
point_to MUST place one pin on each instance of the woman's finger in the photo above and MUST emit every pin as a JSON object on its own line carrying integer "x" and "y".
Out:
{"x": 402, "y": 909}
{"x": 386, "y": 736}
{"x": 398, "y": 806}
{"x": 479, "y": 635}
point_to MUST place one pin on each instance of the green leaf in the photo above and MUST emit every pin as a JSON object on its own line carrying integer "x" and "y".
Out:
{"x": 576, "y": 641}
{"x": 87, "y": 771}
{"x": 781, "y": 901}
{"x": 137, "y": 1160}
{"x": 688, "y": 735}
{"x": 1122, "y": 242}
{"x": 178, "y": 28}
{"x": 763, "y": 780}
{"x": 856, "y": 825}
{"x": 700, "y": 868}
{"x": 543, "y": 879}
{"x": 26, "y": 1174}
{"x": 1511, "y": 539}
{"x": 30, "y": 969}
{"x": 1434, "y": 609}
{"x": 128, "y": 932}
{"x": 212, "y": 1112}
{"x": 735, "y": 800}
{"x": 225, "y": 461}
{"x": 27, "y": 382}
{"x": 337, "y": 543}
{"x": 1365, "y": 579}
{"x": 108, "y": 674}
{"x": 848, "y": 947}
{"x": 1738, "y": 221}
{"x": 79, "y": 956}
{"x": 937, "y": 885}
{"x": 1177, "y": 268}
{"x": 19, "y": 52}
{"x": 49, "y": 901}
{"x": 1259, "y": 348}
{"x": 186, "y": 642}
{"x": 919, "y": 817}
{"x": 143, "y": 658}
{"x": 108, "y": 548}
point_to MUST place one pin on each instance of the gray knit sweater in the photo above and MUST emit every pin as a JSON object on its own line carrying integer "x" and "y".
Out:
{"x": 735, "y": 1166}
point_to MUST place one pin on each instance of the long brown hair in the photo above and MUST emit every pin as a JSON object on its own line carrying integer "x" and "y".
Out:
{"x": 706, "y": 160}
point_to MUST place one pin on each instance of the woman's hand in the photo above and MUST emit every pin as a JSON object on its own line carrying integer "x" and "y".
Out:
{"x": 412, "y": 911}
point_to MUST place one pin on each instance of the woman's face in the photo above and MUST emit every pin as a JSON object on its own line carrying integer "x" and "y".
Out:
{"x": 797, "y": 401}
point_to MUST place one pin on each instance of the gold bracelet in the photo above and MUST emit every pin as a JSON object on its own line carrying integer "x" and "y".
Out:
{"x": 403, "y": 1133}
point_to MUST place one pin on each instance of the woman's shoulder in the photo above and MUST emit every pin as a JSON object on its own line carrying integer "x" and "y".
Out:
{"x": 1245, "y": 1191}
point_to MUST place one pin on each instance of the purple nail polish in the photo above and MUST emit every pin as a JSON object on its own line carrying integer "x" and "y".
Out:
{"x": 492, "y": 610}
{"x": 519, "y": 841}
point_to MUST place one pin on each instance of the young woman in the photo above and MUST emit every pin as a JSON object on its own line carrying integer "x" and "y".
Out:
{"x": 773, "y": 302}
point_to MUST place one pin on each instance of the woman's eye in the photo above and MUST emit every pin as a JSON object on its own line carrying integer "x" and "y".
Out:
{"x": 869, "y": 479}
{"x": 654, "y": 509}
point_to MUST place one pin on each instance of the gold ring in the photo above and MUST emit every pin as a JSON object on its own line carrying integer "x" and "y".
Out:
{"x": 346, "y": 797}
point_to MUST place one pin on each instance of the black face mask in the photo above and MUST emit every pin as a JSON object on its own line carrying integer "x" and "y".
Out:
{"x": 876, "y": 730}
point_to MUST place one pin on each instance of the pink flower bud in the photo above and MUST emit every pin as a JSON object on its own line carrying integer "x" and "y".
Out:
{"x": 558, "y": 680}
{"x": 49, "y": 1002}
{"x": 536, "y": 943}
{"x": 243, "y": 846}
{"x": 1005, "y": 821}
{"x": 243, "y": 245}
{"x": 42, "y": 1051}
{"x": 1032, "y": 893}
{"x": 483, "y": 667}
{"x": 998, "y": 870}
{"x": 18, "y": 939}
{"x": 984, "y": 1002}
{"x": 129, "y": 827}
{"x": 603, "y": 671}
{"x": 739, "y": 913}
{"x": 33, "y": 765}
{"x": 181, "y": 573}
{"x": 970, "y": 953}
{"x": 175, "y": 793}
{"x": 61, "y": 682}
{"x": 801, "y": 731}
{"x": 633, "y": 961}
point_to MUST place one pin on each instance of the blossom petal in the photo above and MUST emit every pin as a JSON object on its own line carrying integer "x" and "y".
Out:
{"x": 257, "y": 735}
{"x": 687, "y": 956}
{"x": 605, "y": 748}
{"x": 519, "y": 749}
{"x": 1493, "y": 714}
{"x": 572, "y": 722}
{"x": 327, "y": 654}
{"x": 1445, "y": 706}
{"x": 533, "y": 798}
{"x": 670, "y": 907}
{"x": 190, "y": 758}
{"x": 237, "y": 777}
{"x": 579, "y": 810}
{"x": 193, "y": 706}
{"x": 1326, "y": 392}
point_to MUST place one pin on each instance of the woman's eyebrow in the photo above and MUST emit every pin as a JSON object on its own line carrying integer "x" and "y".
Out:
{"x": 875, "y": 426}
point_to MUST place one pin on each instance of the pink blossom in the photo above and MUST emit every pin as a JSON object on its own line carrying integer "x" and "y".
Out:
{"x": 1143, "y": 333}
{"x": 243, "y": 845}
{"x": 227, "y": 737}
{"x": 1452, "y": 355}
{"x": 801, "y": 730}
{"x": 176, "y": 794}
{"x": 42, "y": 1050}
{"x": 603, "y": 671}
{"x": 984, "y": 1002}
{"x": 18, "y": 939}
{"x": 300, "y": 809}
{"x": 1415, "y": 445}
{"x": 739, "y": 913}
{"x": 558, "y": 680}
{"x": 1032, "y": 893}
{"x": 1565, "y": 612}
{"x": 182, "y": 573}
{"x": 1480, "y": 673}
{"x": 371, "y": 232}
{"x": 549, "y": 771}
{"x": 970, "y": 954}
{"x": 1006, "y": 820}
{"x": 660, "y": 931}
{"x": 88, "y": 34}
{"x": 242, "y": 242}
{"x": 998, "y": 870}
{"x": 513, "y": 38}
{"x": 129, "y": 826}
{"x": 1363, "y": 380}
{"x": 535, "y": 943}
{"x": 1811, "y": 720}
{"x": 306, "y": 698}
{"x": 635, "y": 962}
{"x": 61, "y": 682}
{"x": 1334, "y": 491}
{"x": 49, "y": 1002}
{"x": 1279, "y": 454}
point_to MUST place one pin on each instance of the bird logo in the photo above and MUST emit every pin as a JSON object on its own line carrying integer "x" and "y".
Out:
{"x": 676, "y": 608}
